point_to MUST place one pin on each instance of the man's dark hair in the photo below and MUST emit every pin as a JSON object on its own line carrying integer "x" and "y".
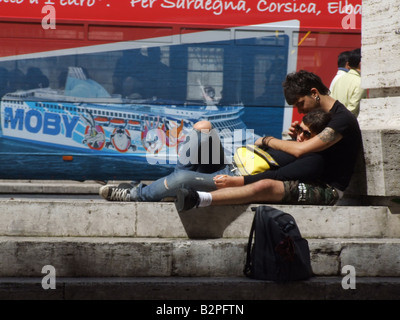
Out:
{"x": 299, "y": 84}
{"x": 343, "y": 57}
{"x": 317, "y": 120}
{"x": 355, "y": 58}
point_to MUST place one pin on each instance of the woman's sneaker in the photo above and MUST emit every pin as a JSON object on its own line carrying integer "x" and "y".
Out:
{"x": 113, "y": 193}
{"x": 186, "y": 199}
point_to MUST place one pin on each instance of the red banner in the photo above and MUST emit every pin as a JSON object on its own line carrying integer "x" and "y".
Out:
{"x": 343, "y": 14}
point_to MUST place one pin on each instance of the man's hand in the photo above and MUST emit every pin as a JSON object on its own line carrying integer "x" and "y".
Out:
{"x": 292, "y": 130}
{"x": 225, "y": 181}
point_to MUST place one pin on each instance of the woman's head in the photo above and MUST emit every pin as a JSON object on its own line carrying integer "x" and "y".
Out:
{"x": 313, "y": 123}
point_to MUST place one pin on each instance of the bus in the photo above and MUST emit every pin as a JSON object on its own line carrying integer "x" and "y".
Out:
{"x": 98, "y": 90}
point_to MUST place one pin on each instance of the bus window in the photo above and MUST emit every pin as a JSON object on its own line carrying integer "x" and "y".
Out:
{"x": 205, "y": 73}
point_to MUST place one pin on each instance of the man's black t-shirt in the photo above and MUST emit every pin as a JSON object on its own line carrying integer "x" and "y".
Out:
{"x": 340, "y": 158}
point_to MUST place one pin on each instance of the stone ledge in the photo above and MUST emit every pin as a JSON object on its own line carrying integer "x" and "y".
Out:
{"x": 12, "y": 186}
{"x": 100, "y": 218}
{"x": 198, "y": 289}
{"x": 378, "y": 169}
{"x": 127, "y": 257}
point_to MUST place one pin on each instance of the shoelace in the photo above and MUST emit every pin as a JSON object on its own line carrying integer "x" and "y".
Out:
{"x": 118, "y": 194}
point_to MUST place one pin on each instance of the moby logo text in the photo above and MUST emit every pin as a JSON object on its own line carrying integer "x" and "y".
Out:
{"x": 35, "y": 121}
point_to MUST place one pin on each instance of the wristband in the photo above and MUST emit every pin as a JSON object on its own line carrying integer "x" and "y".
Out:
{"x": 266, "y": 140}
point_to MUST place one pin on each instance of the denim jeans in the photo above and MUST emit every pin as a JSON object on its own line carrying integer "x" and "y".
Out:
{"x": 201, "y": 158}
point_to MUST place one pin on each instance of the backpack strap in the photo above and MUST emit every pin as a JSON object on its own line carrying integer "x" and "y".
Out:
{"x": 247, "y": 267}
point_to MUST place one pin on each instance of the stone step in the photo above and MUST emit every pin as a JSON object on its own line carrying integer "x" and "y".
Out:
{"x": 145, "y": 257}
{"x": 49, "y": 187}
{"x": 93, "y": 216}
{"x": 10, "y": 186}
{"x": 202, "y": 293}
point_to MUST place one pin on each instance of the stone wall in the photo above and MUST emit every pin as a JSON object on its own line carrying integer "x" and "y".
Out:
{"x": 380, "y": 44}
{"x": 380, "y": 113}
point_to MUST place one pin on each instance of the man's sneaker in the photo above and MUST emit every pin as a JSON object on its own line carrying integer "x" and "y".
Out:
{"x": 130, "y": 185}
{"x": 112, "y": 193}
{"x": 186, "y": 199}
{"x": 125, "y": 185}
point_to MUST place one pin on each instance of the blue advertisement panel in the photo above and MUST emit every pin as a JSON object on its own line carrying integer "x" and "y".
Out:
{"x": 94, "y": 90}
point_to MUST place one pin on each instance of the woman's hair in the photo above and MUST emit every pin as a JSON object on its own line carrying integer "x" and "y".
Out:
{"x": 299, "y": 84}
{"x": 317, "y": 120}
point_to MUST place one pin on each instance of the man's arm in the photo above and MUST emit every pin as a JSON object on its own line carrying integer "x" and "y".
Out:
{"x": 320, "y": 142}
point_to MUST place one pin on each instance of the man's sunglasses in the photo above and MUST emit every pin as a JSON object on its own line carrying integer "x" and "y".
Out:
{"x": 300, "y": 130}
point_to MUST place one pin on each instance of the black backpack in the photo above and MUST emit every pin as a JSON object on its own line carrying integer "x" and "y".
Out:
{"x": 279, "y": 253}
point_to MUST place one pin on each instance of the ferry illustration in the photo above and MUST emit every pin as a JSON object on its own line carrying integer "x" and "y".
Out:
{"x": 105, "y": 124}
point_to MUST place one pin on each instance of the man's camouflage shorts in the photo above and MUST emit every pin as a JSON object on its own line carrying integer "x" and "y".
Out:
{"x": 297, "y": 192}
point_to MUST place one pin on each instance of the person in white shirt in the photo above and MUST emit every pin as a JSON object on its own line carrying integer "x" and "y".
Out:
{"x": 347, "y": 89}
{"x": 343, "y": 67}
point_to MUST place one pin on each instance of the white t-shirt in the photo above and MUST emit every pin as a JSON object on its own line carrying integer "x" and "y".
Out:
{"x": 337, "y": 76}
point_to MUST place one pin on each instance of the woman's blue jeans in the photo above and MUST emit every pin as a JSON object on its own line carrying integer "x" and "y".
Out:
{"x": 201, "y": 158}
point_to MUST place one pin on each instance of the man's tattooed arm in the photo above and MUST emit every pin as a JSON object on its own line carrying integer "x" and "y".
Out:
{"x": 327, "y": 138}
{"x": 329, "y": 135}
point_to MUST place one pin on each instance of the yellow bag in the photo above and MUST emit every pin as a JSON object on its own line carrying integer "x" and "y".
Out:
{"x": 251, "y": 159}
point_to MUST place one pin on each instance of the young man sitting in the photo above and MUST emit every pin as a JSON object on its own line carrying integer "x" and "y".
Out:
{"x": 339, "y": 144}
{"x": 210, "y": 175}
